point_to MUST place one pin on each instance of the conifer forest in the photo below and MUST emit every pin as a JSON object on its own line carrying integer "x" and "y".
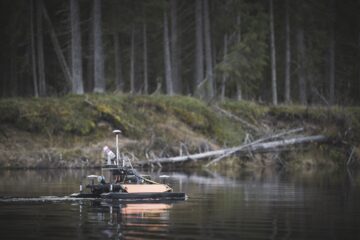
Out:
{"x": 271, "y": 51}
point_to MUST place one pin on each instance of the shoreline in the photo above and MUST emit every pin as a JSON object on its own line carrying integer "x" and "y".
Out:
{"x": 70, "y": 131}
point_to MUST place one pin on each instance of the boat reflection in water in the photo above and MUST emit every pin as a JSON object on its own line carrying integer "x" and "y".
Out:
{"x": 146, "y": 210}
{"x": 133, "y": 220}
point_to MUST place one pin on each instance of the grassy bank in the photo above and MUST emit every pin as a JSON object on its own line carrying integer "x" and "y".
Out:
{"x": 70, "y": 131}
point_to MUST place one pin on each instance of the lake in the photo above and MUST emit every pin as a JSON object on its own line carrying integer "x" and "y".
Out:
{"x": 264, "y": 204}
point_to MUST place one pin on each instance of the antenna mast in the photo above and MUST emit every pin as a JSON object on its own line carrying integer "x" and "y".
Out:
{"x": 117, "y": 132}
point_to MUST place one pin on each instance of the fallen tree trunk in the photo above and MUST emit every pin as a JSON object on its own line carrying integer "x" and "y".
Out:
{"x": 215, "y": 153}
{"x": 253, "y": 143}
{"x": 272, "y": 146}
{"x": 260, "y": 145}
{"x": 177, "y": 159}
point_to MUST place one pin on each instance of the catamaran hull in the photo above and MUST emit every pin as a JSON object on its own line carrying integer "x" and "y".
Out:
{"x": 166, "y": 196}
{"x": 144, "y": 196}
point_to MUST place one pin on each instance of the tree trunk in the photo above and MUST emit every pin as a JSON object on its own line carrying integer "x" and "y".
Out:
{"x": 33, "y": 50}
{"x": 13, "y": 68}
{"x": 208, "y": 53}
{"x": 175, "y": 48}
{"x": 332, "y": 70}
{"x": 118, "y": 66}
{"x": 273, "y": 56}
{"x": 58, "y": 51}
{"x": 167, "y": 57}
{"x": 301, "y": 64}
{"x": 358, "y": 80}
{"x": 225, "y": 74}
{"x": 76, "y": 54}
{"x": 199, "y": 59}
{"x": 40, "y": 48}
{"x": 132, "y": 61}
{"x": 239, "y": 96}
{"x": 287, "y": 53}
{"x": 238, "y": 83}
{"x": 89, "y": 80}
{"x": 146, "y": 78}
{"x": 266, "y": 144}
{"x": 311, "y": 84}
{"x": 332, "y": 56}
{"x": 99, "y": 74}
{"x": 274, "y": 146}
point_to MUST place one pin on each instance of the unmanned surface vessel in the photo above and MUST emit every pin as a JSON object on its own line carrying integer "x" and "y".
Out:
{"x": 124, "y": 182}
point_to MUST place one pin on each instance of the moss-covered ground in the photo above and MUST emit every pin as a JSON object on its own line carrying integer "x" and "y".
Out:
{"x": 70, "y": 131}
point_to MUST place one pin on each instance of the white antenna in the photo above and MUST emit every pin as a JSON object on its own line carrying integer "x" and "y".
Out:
{"x": 117, "y": 132}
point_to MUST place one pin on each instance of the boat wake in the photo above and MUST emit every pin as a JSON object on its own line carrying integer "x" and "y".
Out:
{"x": 42, "y": 199}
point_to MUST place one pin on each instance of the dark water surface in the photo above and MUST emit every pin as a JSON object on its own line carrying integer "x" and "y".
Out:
{"x": 252, "y": 205}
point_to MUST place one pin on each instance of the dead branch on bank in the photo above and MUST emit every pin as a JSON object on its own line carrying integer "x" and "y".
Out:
{"x": 236, "y": 118}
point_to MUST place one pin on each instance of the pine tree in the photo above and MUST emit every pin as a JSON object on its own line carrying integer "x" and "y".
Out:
{"x": 99, "y": 73}
{"x": 76, "y": 46}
